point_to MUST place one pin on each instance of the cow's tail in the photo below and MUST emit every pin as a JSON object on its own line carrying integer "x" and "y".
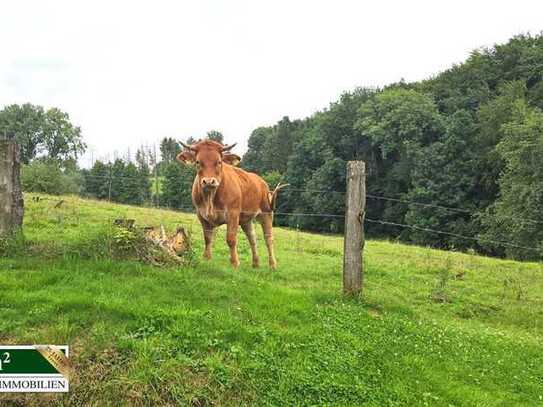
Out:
{"x": 272, "y": 196}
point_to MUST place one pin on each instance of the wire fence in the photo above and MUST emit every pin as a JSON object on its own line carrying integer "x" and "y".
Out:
{"x": 315, "y": 253}
{"x": 383, "y": 222}
{"x": 73, "y": 226}
{"x": 335, "y": 195}
{"x": 468, "y": 212}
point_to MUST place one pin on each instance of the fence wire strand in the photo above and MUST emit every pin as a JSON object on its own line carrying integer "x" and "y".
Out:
{"x": 192, "y": 210}
{"x": 369, "y": 196}
{"x": 442, "y": 232}
{"x": 413, "y": 227}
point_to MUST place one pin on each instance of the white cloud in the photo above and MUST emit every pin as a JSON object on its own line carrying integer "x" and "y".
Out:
{"x": 132, "y": 72}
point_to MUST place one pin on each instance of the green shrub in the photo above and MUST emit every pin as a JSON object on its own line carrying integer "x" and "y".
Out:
{"x": 12, "y": 245}
{"x": 273, "y": 178}
{"x": 47, "y": 176}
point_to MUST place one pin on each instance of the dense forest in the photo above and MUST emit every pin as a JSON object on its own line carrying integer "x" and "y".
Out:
{"x": 460, "y": 153}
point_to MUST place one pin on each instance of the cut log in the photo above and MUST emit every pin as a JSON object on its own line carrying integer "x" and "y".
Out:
{"x": 176, "y": 244}
{"x": 153, "y": 244}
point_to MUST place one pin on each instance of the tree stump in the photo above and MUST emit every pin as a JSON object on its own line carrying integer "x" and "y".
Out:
{"x": 11, "y": 195}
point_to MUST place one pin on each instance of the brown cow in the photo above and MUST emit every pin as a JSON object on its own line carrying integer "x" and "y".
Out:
{"x": 223, "y": 193}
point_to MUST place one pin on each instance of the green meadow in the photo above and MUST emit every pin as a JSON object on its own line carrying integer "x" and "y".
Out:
{"x": 432, "y": 328}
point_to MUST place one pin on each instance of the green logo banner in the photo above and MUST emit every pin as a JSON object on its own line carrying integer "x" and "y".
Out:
{"x": 40, "y": 368}
{"x": 20, "y": 361}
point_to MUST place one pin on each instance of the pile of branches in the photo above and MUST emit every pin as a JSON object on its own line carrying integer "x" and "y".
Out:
{"x": 150, "y": 244}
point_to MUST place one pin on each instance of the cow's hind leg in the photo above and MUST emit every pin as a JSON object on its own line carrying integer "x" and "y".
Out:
{"x": 251, "y": 237}
{"x": 266, "y": 220}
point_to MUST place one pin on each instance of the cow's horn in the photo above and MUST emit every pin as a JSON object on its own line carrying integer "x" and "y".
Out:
{"x": 228, "y": 147}
{"x": 188, "y": 147}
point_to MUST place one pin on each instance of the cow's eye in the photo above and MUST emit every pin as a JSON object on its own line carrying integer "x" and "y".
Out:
{"x": 197, "y": 162}
{"x": 219, "y": 163}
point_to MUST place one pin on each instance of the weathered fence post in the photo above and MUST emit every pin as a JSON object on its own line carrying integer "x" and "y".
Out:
{"x": 11, "y": 196}
{"x": 353, "y": 273}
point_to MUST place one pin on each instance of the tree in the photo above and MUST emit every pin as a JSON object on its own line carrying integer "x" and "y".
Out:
{"x": 62, "y": 140}
{"x": 331, "y": 175}
{"x": 253, "y": 160}
{"x": 177, "y": 186}
{"x": 337, "y": 126}
{"x": 517, "y": 215}
{"x": 117, "y": 179}
{"x": 38, "y": 132}
{"x": 443, "y": 174}
{"x": 272, "y": 178}
{"x": 216, "y": 136}
{"x": 279, "y": 144}
{"x": 308, "y": 156}
{"x": 97, "y": 180}
{"x": 143, "y": 175}
{"x": 131, "y": 188}
{"x": 398, "y": 122}
{"x": 25, "y": 123}
{"x": 47, "y": 176}
{"x": 169, "y": 148}
{"x": 397, "y": 118}
{"x": 491, "y": 117}
{"x": 446, "y": 141}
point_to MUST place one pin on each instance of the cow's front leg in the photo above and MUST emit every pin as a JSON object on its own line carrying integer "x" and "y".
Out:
{"x": 232, "y": 237}
{"x": 209, "y": 234}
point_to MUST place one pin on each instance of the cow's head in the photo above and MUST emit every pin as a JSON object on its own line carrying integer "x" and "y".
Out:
{"x": 209, "y": 156}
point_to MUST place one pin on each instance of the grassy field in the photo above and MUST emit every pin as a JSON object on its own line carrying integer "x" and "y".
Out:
{"x": 433, "y": 328}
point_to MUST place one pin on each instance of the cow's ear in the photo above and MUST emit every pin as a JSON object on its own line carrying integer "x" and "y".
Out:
{"x": 231, "y": 159}
{"x": 186, "y": 157}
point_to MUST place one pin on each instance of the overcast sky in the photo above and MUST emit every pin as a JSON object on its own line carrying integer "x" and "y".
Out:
{"x": 134, "y": 72}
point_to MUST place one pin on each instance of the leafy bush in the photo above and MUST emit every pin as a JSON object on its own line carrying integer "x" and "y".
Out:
{"x": 273, "y": 178}
{"x": 11, "y": 245}
{"x": 47, "y": 176}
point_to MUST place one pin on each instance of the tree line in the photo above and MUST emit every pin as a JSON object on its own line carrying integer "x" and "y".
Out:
{"x": 460, "y": 153}
{"x": 469, "y": 138}
{"x": 50, "y": 146}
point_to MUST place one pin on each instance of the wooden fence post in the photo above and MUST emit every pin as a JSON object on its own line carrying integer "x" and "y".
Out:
{"x": 11, "y": 196}
{"x": 353, "y": 273}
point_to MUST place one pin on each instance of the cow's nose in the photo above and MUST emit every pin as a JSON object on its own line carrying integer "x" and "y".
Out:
{"x": 209, "y": 182}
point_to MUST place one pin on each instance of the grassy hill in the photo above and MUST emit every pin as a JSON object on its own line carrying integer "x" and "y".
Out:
{"x": 433, "y": 328}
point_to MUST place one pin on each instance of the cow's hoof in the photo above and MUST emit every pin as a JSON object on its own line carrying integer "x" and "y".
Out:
{"x": 256, "y": 264}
